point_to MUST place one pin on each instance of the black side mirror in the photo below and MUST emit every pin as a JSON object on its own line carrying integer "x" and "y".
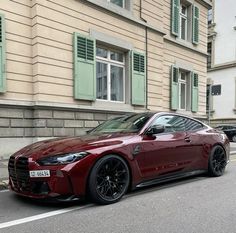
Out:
{"x": 155, "y": 129}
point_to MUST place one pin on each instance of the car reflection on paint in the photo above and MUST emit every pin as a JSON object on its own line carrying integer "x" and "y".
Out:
{"x": 121, "y": 154}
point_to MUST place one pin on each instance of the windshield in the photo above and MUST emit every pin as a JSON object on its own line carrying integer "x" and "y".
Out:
{"x": 124, "y": 124}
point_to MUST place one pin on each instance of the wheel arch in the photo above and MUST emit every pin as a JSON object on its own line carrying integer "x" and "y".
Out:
{"x": 116, "y": 154}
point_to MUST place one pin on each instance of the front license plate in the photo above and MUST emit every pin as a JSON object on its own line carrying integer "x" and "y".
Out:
{"x": 40, "y": 173}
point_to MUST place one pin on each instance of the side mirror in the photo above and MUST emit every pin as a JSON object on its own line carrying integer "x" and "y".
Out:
{"x": 155, "y": 129}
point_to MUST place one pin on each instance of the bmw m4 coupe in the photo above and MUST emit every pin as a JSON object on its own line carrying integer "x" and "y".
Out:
{"x": 122, "y": 154}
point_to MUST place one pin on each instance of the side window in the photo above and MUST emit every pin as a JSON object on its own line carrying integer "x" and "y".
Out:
{"x": 192, "y": 125}
{"x": 172, "y": 123}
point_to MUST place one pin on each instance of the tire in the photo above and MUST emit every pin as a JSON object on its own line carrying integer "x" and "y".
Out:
{"x": 217, "y": 161}
{"x": 109, "y": 180}
{"x": 234, "y": 138}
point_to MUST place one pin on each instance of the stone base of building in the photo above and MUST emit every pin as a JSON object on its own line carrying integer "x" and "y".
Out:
{"x": 225, "y": 121}
{"x": 20, "y": 126}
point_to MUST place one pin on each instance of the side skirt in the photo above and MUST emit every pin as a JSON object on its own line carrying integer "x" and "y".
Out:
{"x": 166, "y": 178}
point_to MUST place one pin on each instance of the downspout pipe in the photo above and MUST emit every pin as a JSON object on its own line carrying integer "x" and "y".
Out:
{"x": 146, "y": 48}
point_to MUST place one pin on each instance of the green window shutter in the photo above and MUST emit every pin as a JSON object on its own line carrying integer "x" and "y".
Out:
{"x": 195, "y": 20}
{"x": 175, "y": 17}
{"x": 2, "y": 55}
{"x": 194, "y": 84}
{"x": 138, "y": 83}
{"x": 174, "y": 101}
{"x": 84, "y": 68}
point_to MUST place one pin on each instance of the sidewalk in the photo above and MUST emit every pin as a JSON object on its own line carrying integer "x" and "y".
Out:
{"x": 3, "y": 174}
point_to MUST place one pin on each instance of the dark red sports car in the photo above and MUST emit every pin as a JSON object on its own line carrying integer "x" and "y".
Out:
{"x": 124, "y": 153}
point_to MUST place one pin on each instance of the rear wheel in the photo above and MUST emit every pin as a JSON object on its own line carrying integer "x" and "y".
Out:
{"x": 217, "y": 161}
{"x": 109, "y": 180}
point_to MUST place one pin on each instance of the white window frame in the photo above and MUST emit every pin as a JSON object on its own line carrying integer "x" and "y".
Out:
{"x": 123, "y": 3}
{"x": 109, "y": 62}
{"x": 187, "y": 82}
{"x": 182, "y": 82}
{"x": 185, "y": 17}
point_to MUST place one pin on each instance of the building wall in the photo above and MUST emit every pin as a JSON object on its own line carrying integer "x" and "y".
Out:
{"x": 182, "y": 57}
{"x": 39, "y": 101}
{"x": 223, "y": 69}
{"x": 224, "y": 104}
{"x": 225, "y": 42}
{"x": 18, "y": 50}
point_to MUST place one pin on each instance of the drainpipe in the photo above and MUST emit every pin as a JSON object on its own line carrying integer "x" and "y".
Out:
{"x": 146, "y": 48}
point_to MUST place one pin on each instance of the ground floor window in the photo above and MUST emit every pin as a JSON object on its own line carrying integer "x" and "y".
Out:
{"x": 110, "y": 75}
{"x": 184, "y": 90}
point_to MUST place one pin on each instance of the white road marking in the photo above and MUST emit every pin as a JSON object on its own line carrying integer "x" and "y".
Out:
{"x": 41, "y": 216}
{"x": 3, "y": 191}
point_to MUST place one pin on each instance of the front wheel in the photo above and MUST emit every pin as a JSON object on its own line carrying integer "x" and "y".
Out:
{"x": 217, "y": 161}
{"x": 109, "y": 180}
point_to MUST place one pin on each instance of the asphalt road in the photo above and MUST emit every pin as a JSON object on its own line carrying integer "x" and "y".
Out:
{"x": 194, "y": 205}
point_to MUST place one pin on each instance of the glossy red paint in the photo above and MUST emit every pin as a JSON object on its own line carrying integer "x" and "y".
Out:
{"x": 147, "y": 156}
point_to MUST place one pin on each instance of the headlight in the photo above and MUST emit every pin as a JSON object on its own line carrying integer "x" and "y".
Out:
{"x": 62, "y": 159}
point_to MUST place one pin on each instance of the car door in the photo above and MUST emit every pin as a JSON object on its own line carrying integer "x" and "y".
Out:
{"x": 167, "y": 152}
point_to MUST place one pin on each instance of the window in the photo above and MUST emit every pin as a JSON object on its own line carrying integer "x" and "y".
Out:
{"x": 191, "y": 125}
{"x": 209, "y": 52}
{"x": 208, "y": 97}
{"x": 120, "y": 3}
{"x": 172, "y": 123}
{"x": 209, "y": 16}
{"x": 184, "y": 90}
{"x": 185, "y": 21}
{"x": 100, "y": 73}
{"x": 110, "y": 75}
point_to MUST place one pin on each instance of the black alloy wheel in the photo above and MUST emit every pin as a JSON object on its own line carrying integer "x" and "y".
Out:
{"x": 217, "y": 161}
{"x": 109, "y": 180}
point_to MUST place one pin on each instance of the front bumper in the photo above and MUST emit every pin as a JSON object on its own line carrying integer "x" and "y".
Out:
{"x": 65, "y": 182}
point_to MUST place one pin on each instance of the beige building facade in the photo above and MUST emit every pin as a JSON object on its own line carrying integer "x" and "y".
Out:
{"x": 68, "y": 65}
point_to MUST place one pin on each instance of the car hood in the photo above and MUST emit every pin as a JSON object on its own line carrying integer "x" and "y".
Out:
{"x": 71, "y": 144}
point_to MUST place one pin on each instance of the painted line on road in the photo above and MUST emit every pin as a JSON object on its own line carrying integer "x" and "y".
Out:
{"x": 232, "y": 160}
{"x": 42, "y": 216}
{"x": 4, "y": 191}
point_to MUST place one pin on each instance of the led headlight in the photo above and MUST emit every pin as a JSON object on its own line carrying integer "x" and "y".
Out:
{"x": 62, "y": 159}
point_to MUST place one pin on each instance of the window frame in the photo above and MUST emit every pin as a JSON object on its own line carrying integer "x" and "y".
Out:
{"x": 187, "y": 83}
{"x": 168, "y": 115}
{"x": 191, "y": 22}
{"x": 109, "y": 62}
{"x": 184, "y": 120}
{"x": 183, "y": 17}
{"x": 123, "y": 3}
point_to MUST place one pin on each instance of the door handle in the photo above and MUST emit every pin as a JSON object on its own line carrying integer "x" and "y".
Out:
{"x": 187, "y": 139}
